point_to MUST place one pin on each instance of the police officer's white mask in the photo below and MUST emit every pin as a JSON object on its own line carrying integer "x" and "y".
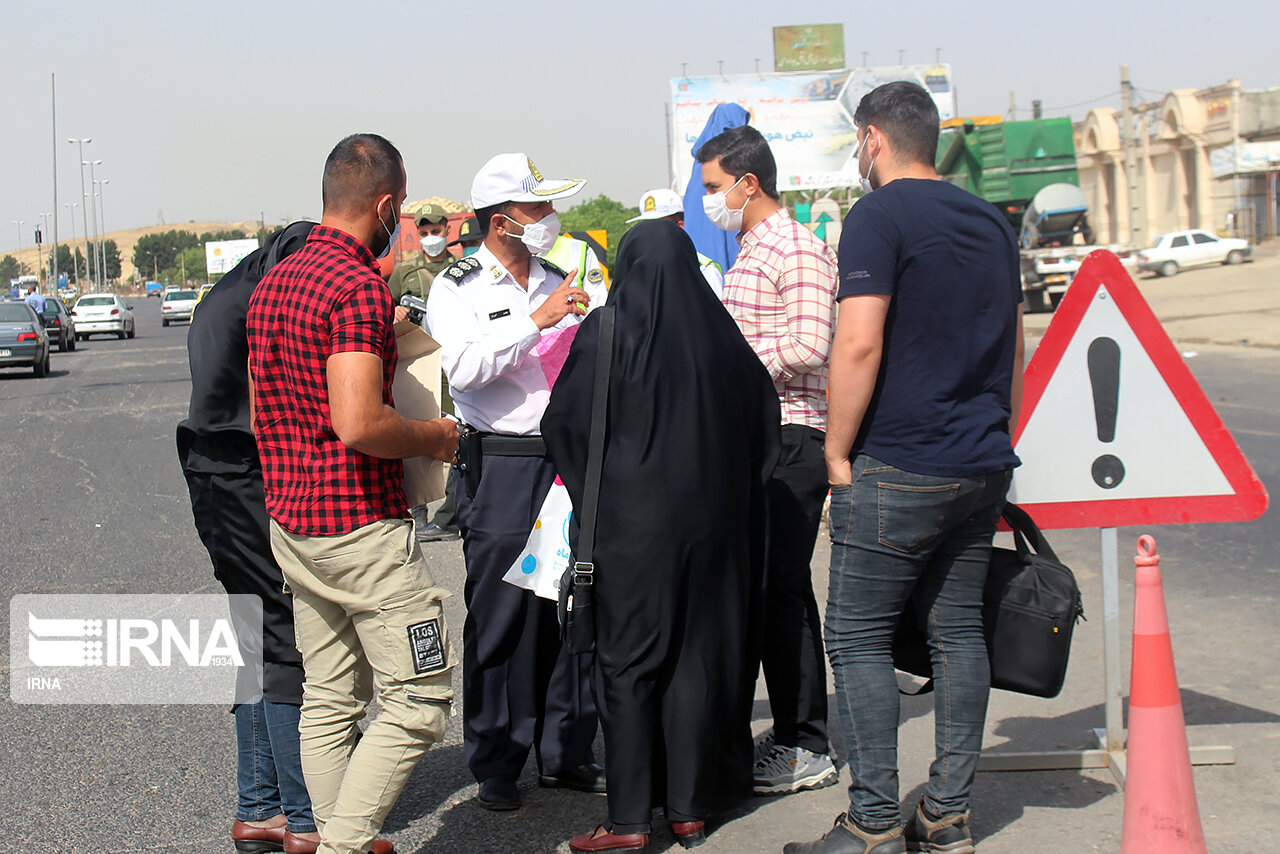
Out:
{"x": 539, "y": 236}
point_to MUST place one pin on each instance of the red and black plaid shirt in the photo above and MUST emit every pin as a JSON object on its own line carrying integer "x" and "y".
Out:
{"x": 326, "y": 298}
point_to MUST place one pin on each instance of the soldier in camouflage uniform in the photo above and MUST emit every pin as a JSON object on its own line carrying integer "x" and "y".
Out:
{"x": 414, "y": 275}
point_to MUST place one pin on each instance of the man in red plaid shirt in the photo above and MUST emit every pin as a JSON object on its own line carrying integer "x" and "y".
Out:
{"x": 322, "y": 354}
{"x": 781, "y": 291}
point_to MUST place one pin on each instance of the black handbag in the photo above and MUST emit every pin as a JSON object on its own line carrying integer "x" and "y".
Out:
{"x": 576, "y": 607}
{"x": 1030, "y": 606}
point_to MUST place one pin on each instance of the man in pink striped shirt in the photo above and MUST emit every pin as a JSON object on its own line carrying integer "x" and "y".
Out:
{"x": 781, "y": 291}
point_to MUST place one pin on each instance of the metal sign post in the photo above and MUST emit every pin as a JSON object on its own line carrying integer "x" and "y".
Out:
{"x": 1106, "y": 346}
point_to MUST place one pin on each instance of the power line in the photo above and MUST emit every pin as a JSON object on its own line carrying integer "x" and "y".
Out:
{"x": 1084, "y": 103}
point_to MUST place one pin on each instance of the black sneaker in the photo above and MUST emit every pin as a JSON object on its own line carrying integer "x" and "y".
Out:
{"x": 433, "y": 533}
{"x": 949, "y": 834}
{"x": 845, "y": 837}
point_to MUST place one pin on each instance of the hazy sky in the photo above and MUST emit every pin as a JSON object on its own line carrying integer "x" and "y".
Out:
{"x": 226, "y": 110}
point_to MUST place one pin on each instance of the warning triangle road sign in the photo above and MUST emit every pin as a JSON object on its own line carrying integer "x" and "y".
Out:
{"x": 1114, "y": 428}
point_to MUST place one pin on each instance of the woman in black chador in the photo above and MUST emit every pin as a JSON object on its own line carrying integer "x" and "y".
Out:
{"x": 692, "y": 437}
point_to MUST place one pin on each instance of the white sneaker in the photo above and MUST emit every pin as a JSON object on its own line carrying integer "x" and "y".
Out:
{"x": 793, "y": 769}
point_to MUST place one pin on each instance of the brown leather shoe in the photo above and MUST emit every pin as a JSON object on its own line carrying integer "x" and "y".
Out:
{"x": 601, "y": 839}
{"x": 298, "y": 845}
{"x": 257, "y": 840}
{"x": 691, "y": 834}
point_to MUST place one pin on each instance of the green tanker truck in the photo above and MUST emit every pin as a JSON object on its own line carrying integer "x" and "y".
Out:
{"x": 1028, "y": 170}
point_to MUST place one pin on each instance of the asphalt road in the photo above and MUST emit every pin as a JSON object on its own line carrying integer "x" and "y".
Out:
{"x": 94, "y": 502}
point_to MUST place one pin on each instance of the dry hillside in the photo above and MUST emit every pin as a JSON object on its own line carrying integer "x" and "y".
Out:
{"x": 128, "y": 238}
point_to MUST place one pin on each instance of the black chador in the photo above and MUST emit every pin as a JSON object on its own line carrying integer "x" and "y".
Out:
{"x": 692, "y": 437}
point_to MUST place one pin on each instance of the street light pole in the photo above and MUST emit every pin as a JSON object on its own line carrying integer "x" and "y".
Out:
{"x": 102, "y": 219}
{"x": 45, "y": 218}
{"x": 93, "y": 210}
{"x": 19, "y": 223}
{"x": 75, "y": 264}
{"x": 84, "y": 201}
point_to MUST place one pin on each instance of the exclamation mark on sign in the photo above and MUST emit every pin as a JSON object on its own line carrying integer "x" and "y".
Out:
{"x": 1104, "y": 376}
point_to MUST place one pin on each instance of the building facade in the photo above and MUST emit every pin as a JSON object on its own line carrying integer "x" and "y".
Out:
{"x": 1189, "y": 162}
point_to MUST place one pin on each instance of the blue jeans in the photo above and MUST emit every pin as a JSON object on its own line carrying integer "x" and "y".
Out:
{"x": 269, "y": 773}
{"x": 892, "y": 530}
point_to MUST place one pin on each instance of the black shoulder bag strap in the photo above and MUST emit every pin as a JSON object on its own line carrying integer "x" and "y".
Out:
{"x": 583, "y": 564}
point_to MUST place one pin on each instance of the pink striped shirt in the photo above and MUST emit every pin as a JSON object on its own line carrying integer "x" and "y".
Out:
{"x": 782, "y": 293}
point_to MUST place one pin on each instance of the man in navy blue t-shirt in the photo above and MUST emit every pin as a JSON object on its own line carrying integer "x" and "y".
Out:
{"x": 925, "y": 383}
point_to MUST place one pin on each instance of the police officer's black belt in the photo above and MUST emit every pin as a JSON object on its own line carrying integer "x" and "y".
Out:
{"x": 496, "y": 445}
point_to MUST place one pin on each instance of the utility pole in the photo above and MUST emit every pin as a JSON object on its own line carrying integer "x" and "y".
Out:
{"x": 19, "y": 223}
{"x": 93, "y": 203}
{"x": 1235, "y": 166}
{"x": 75, "y": 262}
{"x": 53, "y": 110}
{"x": 1137, "y": 224}
{"x": 1013, "y": 107}
{"x": 50, "y": 267}
{"x": 84, "y": 200}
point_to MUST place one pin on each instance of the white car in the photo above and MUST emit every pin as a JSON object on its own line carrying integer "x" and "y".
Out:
{"x": 1180, "y": 249}
{"x": 97, "y": 314}
{"x": 177, "y": 305}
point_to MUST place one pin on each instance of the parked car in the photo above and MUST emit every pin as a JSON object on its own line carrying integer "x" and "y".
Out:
{"x": 177, "y": 305}
{"x": 59, "y": 323}
{"x": 103, "y": 313}
{"x": 23, "y": 340}
{"x": 1178, "y": 250}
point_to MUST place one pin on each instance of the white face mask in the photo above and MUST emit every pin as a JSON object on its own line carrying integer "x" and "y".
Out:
{"x": 865, "y": 180}
{"x": 539, "y": 236}
{"x": 717, "y": 209}
{"x": 433, "y": 244}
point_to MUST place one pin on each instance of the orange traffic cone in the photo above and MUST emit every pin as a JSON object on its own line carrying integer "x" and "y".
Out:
{"x": 1160, "y": 812}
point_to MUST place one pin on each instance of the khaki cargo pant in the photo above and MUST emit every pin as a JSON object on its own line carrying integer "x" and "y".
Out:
{"x": 367, "y": 612}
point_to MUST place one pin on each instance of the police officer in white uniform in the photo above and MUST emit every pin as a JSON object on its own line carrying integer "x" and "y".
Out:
{"x": 489, "y": 311}
{"x": 667, "y": 204}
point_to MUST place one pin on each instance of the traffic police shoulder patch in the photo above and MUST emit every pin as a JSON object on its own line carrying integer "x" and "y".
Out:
{"x": 460, "y": 269}
{"x": 564, "y": 274}
{"x": 595, "y": 277}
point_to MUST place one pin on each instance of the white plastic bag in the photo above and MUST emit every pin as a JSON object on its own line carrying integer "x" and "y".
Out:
{"x": 546, "y": 553}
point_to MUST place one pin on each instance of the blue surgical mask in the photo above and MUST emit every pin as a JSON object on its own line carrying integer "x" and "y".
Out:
{"x": 468, "y": 251}
{"x": 392, "y": 235}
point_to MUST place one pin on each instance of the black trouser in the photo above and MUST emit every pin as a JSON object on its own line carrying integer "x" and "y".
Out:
{"x": 794, "y": 667}
{"x": 521, "y": 687}
{"x": 224, "y": 477}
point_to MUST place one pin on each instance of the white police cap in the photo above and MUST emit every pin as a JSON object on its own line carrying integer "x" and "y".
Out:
{"x": 514, "y": 178}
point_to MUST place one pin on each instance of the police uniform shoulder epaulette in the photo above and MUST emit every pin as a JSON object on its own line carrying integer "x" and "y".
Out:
{"x": 564, "y": 274}
{"x": 460, "y": 269}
